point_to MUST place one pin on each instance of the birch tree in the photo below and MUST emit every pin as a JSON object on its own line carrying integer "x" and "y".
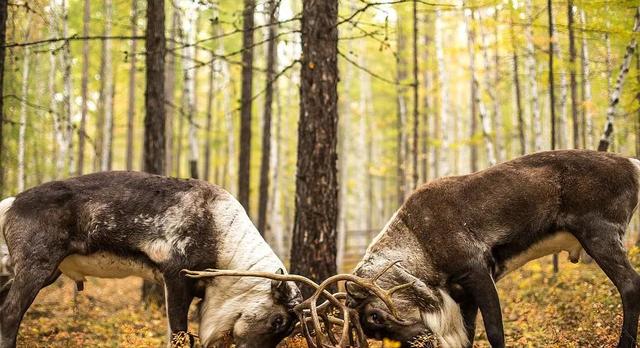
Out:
{"x": 561, "y": 129}
{"x": 26, "y": 59}
{"x": 416, "y": 111}
{"x": 444, "y": 95}
{"x": 605, "y": 140}
{"x": 401, "y": 112}
{"x": 189, "y": 29}
{"x": 572, "y": 75}
{"x": 107, "y": 94}
{"x": 169, "y": 91}
{"x": 586, "y": 86}
{"x": 519, "y": 114}
{"x": 84, "y": 86}
{"x": 131, "y": 107}
{"x": 531, "y": 64}
{"x": 490, "y": 89}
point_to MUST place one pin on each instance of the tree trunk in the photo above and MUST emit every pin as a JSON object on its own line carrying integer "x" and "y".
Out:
{"x": 532, "y": 76}
{"x": 190, "y": 29}
{"x": 516, "y": 86}
{"x": 313, "y": 250}
{"x": 426, "y": 107}
{"x": 210, "y": 106}
{"x": 154, "y": 120}
{"x": 552, "y": 95}
{"x": 615, "y": 95}
{"x": 586, "y": 87}
{"x": 401, "y": 110}
{"x": 498, "y": 136}
{"x": 84, "y": 86}
{"x": 485, "y": 119}
{"x": 3, "y": 35}
{"x": 67, "y": 130}
{"x": 23, "y": 111}
{"x": 561, "y": 127}
{"x": 276, "y": 233}
{"x": 107, "y": 134}
{"x": 244, "y": 159}
{"x": 266, "y": 126}
{"x": 169, "y": 90}
{"x": 475, "y": 97}
{"x": 572, "y": 76}
{"x": 416, "y": 111}
{"x": 444, "y": 98}
{"x": 58, "y": 123}
{"x": 131, "y": 108}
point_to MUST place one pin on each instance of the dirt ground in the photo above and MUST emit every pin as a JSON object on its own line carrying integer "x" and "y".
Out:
{"x": 577, "y": 308}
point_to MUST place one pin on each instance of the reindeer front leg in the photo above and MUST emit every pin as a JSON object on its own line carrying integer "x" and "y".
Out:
{"x": 178, "y": 296}
{"x": 480, "y": 285}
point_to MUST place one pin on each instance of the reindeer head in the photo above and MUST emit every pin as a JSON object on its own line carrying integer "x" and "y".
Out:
{"x": 250, "y": 312}
{"x": 422, "y": 310}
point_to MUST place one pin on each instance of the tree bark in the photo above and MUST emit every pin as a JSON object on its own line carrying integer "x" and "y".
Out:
{"x": 189, "y": 104}
{"x": 516, "y": 86}
{"x": 572, "y": 76}
{"x": 416, "y": 111}
{"x": 561, "y": 127}
{"x": 498, "y": 136}
{"x": 107, "y": 133}
{"x": 401, "y": 110}
{"x": 169, "y": 90}
{"x": 210, "y": 105}
{"x": 443, "y": 166}
{"x": 3, "y": 35}
{"x": 23, "y": 111}
{"x": 552, "y": 97}
{"x": 586, "y": 87}
{"x": 532, "y": 76}
{"x": 477, "y": 106}
{"x": 131, "y": 108}
{"x": 426, "y": 107}
{"x": 154, "y": 120}
{"x": 266, "y": 126}
{"x": 244, "y": 159}
{"x": 615, "y": 95}
{"x": 313, "y": 251}
{"x": 84, "y": 86}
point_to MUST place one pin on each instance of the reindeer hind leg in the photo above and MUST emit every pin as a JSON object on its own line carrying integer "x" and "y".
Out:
{"x": 603, "y": 242}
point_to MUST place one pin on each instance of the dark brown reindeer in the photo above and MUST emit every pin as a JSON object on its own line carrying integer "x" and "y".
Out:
{"x": 118, "y": 224}
{"x": 457, "y": 236}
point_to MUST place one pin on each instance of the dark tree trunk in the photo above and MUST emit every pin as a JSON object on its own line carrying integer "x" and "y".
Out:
{"x": 401, "y": 110}
{"x": 266, "y": 127}
{"x": 244, "y": 161}
{"x": 154, "y": 120}
{"x": 84, "y": 88}
{"x": 473, "y": 84}
{"x": 572, "y": 76}
{"x": 3, "y": 32}
{"x": 131, "y": 109}
{"x": 313, "y": 248}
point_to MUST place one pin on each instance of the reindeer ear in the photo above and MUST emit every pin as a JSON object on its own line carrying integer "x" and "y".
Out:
{"x": 356, "y": 294}
{"x": 285, "y": 292}
{"x": 426, "y": 294}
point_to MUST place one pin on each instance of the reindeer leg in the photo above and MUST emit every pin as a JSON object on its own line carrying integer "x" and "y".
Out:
{"x": 29, "y": 280}
{"x": 479, "y": 284}
{"x": 469, "y": 310}
{"x": 604, "y": 244}
{"x": 178, "y": 296}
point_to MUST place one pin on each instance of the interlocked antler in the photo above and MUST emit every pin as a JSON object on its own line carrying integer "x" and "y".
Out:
{"x": 319, "y": 320}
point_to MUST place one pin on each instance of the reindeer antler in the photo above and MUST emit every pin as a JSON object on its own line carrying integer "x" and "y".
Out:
{"x": 320, "y": 316}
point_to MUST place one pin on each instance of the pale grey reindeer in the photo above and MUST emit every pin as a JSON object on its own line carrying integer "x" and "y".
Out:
{"x": 117, "y": 224}
{"x": 457, "y": 236}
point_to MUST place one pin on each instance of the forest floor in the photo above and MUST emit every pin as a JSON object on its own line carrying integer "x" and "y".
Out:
{"x": 579, "y": 307}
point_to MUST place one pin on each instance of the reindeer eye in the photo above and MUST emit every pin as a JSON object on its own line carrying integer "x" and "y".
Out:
{"x": 277, "y": 322}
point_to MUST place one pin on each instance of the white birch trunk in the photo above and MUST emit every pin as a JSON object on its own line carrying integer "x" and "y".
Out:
{"x": 56, "y": 115}
{"x": 586, "y": 75}
{"x": 189, "y": 93}
{"x": 23, "y": 115}
{"x": 107, "y": 131}
{"x": 444, "y": 96}
{"x": 66, "y": 98}
{"x": 533, "y": 83}
{"x": 485, "y": 118}
{"x": 562, "y": 102}
{"x": 615, "y": 95}
{"x": 276, "y": 229}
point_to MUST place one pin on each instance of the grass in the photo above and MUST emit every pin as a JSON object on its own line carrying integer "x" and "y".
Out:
{"x": 579, "y": 307}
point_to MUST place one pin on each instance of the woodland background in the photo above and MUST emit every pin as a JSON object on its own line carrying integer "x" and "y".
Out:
{"x": 424, "y": 89}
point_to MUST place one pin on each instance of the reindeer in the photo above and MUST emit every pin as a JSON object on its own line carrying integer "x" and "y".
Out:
{"x": 457, "y": 236}
{"x": 117, "y": 224}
